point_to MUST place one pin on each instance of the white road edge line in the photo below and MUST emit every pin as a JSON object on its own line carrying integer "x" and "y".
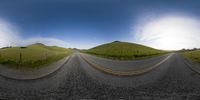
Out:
{"x": 124, "y": 73}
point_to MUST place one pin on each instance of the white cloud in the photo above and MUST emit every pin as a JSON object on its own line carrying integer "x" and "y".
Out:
{"x": 10, "y": 37}
{"x": 169, "y": 32}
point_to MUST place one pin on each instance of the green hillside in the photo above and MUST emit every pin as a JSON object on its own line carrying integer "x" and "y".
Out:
{"x": 124, "y": 50}
{"x": 32, "y": 55}
{"x": 192, "y": 55}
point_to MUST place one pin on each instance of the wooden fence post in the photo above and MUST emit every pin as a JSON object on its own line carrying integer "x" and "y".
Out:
{"x": 0, "y": 54}
{"x": 45, "y": 56}
{"x": 20, "y": 58}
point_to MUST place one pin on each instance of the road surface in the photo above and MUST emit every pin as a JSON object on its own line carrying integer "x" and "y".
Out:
{"x": 78, "y": 80}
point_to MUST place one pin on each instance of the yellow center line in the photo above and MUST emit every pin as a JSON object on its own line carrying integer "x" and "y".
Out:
{"x": 124, "y": 73}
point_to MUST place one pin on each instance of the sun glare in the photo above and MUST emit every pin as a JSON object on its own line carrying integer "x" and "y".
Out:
{"x": 170, "y": 33}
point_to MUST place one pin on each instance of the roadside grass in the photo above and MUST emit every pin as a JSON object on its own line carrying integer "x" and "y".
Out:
{"x": 124, "y": 51}
{"x": 192, "y": 55}
{"x": 32, "y": 56}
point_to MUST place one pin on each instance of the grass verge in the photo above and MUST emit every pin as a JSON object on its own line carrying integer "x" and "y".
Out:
{"x": 192, "y": 55}
{"x": 32, "y": 56}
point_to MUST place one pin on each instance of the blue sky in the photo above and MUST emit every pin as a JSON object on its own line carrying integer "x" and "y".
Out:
{"x": 87, "y": 23}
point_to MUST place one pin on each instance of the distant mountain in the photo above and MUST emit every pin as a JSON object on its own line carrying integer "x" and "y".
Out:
{"x": 37, "y": 44}
{"x": 43, "y": 46}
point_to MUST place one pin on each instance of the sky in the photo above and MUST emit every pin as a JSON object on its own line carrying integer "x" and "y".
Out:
{"x": 83, "y": 24}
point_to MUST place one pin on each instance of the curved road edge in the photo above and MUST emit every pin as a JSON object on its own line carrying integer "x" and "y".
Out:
{"x": 125, "y": 73}
{"x": 32, "y": 73}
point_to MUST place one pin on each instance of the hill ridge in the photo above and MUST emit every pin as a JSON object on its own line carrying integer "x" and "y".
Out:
{"x": 123, "y": 50}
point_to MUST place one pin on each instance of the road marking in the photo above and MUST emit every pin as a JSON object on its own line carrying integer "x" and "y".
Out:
{"x": 124, "y": 73}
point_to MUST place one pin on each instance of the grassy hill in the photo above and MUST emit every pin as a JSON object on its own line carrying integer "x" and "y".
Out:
{"x": 32, "y": 55}
{"x": 192, "y": 55}
{"x": 124, "y": 50}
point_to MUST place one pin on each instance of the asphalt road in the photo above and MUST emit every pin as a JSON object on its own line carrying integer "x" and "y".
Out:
{"x": 77, "y": 80}
{"x": 126, "y": 64}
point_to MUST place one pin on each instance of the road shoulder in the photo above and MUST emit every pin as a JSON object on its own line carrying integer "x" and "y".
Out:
{"x": 32, "y": 73}
{"x": 192, "y": 65}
